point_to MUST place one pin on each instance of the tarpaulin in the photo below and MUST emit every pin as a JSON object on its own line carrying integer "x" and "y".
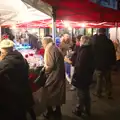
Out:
{"x": 83, "y": 10}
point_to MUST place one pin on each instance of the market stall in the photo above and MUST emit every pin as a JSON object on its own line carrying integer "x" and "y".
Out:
{"x": 35, "y": 62}
{"x": 77, "y": 10}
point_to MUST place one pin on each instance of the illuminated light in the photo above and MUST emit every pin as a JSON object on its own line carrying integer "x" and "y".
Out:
{"x": 66, "y": 24}
{"x": 83, "y": 25}
{"x": 70, "y": 28}
{"x": 50, "y": 25}
{"x": 14, "y": 27}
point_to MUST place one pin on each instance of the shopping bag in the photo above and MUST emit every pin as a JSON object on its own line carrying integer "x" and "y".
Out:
{"x": 40, "y": 98}
{"x": 41, "y": 79}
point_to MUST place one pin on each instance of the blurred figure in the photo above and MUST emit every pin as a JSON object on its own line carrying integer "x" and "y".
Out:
{"x": 55, "y": 84}
{"x": 117, "y": 48}
{"x": 47, "y": 35}
{"x": 66, "y": 48}
{"x": 61, "y": 38}
{"x": 18, "y": 41}
{"x": 65, "y": 44}
{"x": 105, "y": 58}
{"x": 82, "y": 78}
{"x": 72, "y": 60}
{"x": 33, "y": 41}
{"x": 11, "y": 36}
{"x": 73, "y": 43}
{"x": 74, "y": 56}
{"x": 57, "y": 41}
{"x": 16, "y": 96}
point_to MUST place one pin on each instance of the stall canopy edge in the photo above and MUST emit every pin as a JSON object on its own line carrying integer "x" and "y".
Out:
{"x": 40, "y": 5}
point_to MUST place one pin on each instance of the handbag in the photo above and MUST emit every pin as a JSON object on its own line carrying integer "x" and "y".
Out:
{"x": 41, "y": 79}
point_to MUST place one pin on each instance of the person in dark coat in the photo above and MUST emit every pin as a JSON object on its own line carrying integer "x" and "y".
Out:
{"x": 82, "y": 77}
{"x": 76, "y": 50}
{"x": 33, "y": 41}
{"x": 16, "y": 96}
{"x": 105, "y": 58}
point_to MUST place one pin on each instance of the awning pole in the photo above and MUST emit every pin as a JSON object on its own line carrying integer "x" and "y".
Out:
{"x": 0, "y": 29}
{"x": 54, "y": 23}
{"x": 116, "y": 25}
{"x": 0, "y": 33}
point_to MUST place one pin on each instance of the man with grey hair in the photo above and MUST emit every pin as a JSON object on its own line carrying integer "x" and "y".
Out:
{"x": 55, "y": 84}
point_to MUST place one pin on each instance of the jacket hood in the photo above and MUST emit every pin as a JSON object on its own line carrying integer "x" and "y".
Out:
{"x": 14, "y": 57}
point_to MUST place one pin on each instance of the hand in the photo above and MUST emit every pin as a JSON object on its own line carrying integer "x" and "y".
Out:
{"x": 67, "y": 60}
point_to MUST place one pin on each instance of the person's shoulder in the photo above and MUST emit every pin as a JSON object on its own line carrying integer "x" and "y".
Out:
{"x": 110, "y": 41}
{"x": 4, "y": 64}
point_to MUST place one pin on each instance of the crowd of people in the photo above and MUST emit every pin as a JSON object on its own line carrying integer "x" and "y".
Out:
{"x": 88, "y": 58}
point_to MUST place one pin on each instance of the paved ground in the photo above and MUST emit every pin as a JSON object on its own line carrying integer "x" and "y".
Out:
{"x": 102, "y": 109}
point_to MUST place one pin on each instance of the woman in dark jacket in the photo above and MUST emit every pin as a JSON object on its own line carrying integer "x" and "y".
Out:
{"x": 82, "y": 77}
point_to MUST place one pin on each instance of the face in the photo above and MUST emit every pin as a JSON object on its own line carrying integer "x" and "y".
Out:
{"x": 81, "y": 41}
{"x": 44, "y": 44}
{"x": 66, "y": 37}
{"x": 3, "y": 53}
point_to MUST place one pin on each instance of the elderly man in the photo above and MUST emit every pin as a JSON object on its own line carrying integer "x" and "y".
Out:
{"x": 55, "y": 84}
{"x": 15, "y": 93}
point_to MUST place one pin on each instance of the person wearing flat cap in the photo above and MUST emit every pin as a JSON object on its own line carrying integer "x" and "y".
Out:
{"x": 15, "y": 93}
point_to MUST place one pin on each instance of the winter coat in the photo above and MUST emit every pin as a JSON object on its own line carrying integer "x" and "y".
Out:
{"x": 14, "y": 84}
{"x": 33, "y": 41}
{"x": 84, "y": 67}
{"x": 74, "y": 56}
{"x": 104, "y": 52}
{"x": 55, "y": 70}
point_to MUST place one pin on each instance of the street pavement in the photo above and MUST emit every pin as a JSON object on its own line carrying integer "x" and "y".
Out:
{"x": 102, "y": 109}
